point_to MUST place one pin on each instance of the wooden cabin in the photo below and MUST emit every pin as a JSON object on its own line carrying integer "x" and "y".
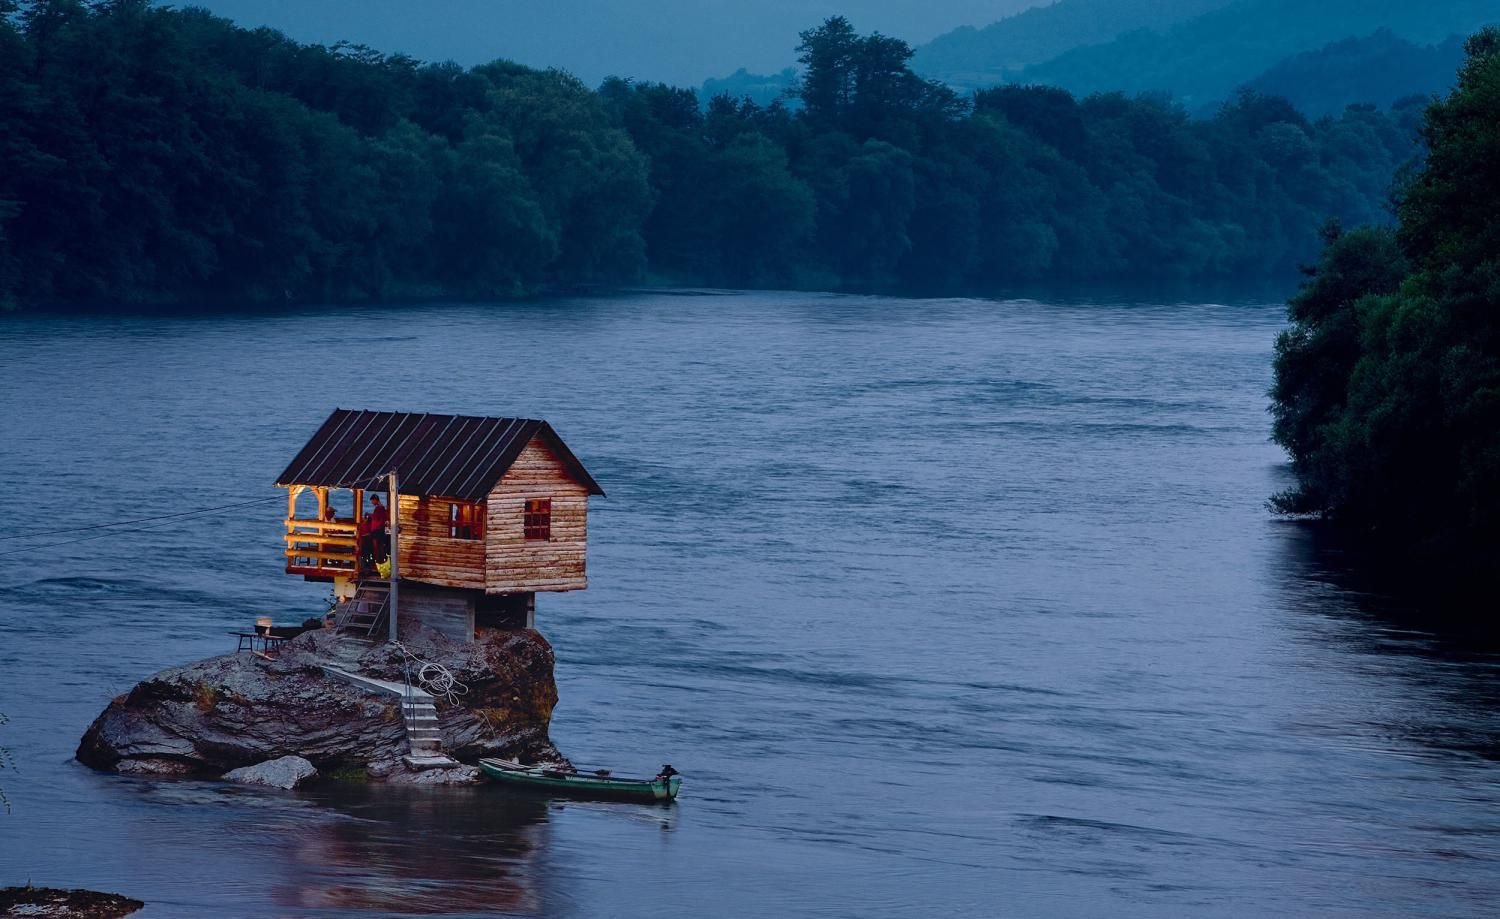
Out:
{"x": 488, "y": 512}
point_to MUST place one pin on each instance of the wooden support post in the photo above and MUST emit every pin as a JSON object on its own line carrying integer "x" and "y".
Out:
{"x": 291, "y": 512}
{"x": 395, "y": 515}
{"x": 322, "y": 494}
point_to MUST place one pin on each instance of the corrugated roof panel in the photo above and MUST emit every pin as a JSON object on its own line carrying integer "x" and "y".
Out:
{"x": 448, "y": 456}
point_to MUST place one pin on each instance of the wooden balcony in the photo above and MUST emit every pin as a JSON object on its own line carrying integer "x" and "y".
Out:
{"x": 322, "y": 549}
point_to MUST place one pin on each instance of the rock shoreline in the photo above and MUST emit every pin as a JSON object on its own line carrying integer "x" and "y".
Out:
{"x": 239, "y": 710}
{"x": 65, "y": 904}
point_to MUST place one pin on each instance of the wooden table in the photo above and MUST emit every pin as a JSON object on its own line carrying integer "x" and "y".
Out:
{"x": 247, "y": 640}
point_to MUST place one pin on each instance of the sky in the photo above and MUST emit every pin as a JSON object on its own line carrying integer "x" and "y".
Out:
{"x": 682, "y": 42}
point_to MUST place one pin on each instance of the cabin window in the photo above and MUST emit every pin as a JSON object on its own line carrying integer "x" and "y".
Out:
{"x": 538, "y": 520}
{"x": 465, "y": 521}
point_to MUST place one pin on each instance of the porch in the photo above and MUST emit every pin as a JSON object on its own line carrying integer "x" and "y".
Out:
{"x": 320, "y": 543}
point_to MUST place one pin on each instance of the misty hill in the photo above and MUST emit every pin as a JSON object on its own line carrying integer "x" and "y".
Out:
{"x": 1378, "y": 69}
{"x": 1204, "y": 59}
{"x": 971, "y": 57}
{"x": 762, "y": 89}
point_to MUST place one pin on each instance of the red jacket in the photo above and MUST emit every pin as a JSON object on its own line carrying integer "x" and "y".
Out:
{"x": 376, "y": 522}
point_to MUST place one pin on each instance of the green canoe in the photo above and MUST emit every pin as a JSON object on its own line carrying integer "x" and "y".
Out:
{"x": 584, "y": 784}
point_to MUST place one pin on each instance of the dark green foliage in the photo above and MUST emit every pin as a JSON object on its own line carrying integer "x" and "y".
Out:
{"x": 1387, "y": 391}
{"x": 150, "y": 155}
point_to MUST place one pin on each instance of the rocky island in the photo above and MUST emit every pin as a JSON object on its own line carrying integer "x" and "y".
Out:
{"x": 432, "y": 659}
{"x": 244, "y": 709}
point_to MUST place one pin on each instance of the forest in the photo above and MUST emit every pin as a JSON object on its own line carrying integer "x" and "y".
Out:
{"x": 156, "y": 156}
{"x": 1387, "y": 388}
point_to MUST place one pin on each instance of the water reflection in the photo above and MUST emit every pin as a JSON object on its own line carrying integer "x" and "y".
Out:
{"x": 1433, "y": 644}
{"x": 419, "y": 851}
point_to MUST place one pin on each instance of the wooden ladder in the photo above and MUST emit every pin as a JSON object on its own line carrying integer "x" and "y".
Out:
{"x": 364, "y": 615}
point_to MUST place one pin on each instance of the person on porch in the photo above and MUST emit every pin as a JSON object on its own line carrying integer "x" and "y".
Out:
{"x": 376, "y": 541}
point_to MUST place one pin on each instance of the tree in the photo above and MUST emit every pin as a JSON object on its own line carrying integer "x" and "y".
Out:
{"x": 757, "y": 215}
{"x": 1316, "y": 358}
{"x": 1387, "y": 392}
{"x": 828, "y": 55}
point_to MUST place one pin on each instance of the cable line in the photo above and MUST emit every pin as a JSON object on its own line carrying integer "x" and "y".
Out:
{"x": 170, "y": 518}
{"x": 207, "y": 510}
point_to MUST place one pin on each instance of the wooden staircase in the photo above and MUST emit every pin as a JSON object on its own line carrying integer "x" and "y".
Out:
{"x": 366, "y": 613}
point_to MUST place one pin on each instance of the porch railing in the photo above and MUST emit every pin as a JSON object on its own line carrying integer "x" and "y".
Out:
{"x": 321, "y": 548}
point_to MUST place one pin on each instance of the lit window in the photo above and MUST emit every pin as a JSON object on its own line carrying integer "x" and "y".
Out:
{"x": 466, "y": 521}
{"x": 538, "y": 520}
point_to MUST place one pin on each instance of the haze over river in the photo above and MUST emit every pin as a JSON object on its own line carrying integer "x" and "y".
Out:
{"x": 943, "y": 608}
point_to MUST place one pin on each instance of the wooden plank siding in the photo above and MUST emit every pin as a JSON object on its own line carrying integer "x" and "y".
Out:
{"x": 445, "y": 611}
{"x": 429, "y": 554}
{"x": 514, "y": 564}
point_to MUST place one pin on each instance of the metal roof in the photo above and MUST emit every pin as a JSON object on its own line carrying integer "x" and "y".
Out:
{"x": 440, "y": 456}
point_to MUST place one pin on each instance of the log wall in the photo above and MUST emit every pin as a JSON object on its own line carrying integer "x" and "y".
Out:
{"x": 514, "y": 564}
{"x": 429, "y": 554}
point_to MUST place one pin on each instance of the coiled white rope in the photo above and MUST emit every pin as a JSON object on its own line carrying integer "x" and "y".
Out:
{"x": 435, "y": 679}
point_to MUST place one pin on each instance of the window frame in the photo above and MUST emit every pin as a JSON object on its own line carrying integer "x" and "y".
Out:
{"x": 536, "y": 520}
{"x": 466, "y": 520}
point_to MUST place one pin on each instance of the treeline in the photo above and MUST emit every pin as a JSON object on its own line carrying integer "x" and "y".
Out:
{"x": 168, "y": 156}
{"x": 1387, "y": 393}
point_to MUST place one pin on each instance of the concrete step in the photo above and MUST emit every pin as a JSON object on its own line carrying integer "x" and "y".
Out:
{"x": 430, "y": 761}
{"x": 384, "y": 687}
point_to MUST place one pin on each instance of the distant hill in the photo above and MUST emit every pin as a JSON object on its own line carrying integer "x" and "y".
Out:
{"x": 762, "y": 89}
{"x": 1378, "y": 69}
{"x": 973, "y": 57}
{"x": 1205, "y": 58}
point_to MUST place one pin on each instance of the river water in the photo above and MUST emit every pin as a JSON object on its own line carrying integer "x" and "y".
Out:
{"x": 944, "y": 608}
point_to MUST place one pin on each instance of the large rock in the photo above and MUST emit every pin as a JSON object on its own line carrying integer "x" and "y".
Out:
{"x": 287, "y": 772}
{"x": 240, "y": 709}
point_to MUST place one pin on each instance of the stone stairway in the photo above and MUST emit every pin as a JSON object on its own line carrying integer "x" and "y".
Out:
{"x": 418, "y": 713}
{"x": 423, "y": 736}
